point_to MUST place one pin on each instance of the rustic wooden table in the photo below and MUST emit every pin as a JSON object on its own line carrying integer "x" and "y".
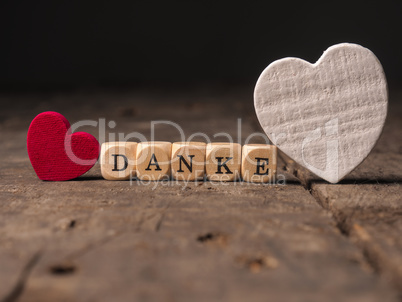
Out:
{"x": 96, "y": 240}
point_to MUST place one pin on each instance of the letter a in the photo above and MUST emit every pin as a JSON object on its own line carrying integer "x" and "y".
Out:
{"x": 153, "y": 164}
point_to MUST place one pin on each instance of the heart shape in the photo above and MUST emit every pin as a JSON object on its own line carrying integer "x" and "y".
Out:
{"x": 325, "y": 116}
{"x": 55, "y": 153}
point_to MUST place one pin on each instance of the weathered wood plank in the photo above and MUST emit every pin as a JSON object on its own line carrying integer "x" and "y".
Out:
{"x": 206, "y": 242}
{"x": 372, "y": 216}
{"x": 102, "y": 240}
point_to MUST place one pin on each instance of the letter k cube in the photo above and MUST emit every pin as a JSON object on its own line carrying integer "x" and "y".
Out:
{"x": 223, "y": 161}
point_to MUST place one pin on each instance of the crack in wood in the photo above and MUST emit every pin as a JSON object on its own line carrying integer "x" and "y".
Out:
{"x": 345, "y": 221}
{"x": 18, "y": 288}
{"x": 143, "y": 219}
{"x": 160, "y": 221}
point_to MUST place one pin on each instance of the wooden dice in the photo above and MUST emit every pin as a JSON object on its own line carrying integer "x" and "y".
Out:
{"x": 153, "y": 160}
{"x": 188, "y": 161}
{"x": 258, "y": 163}
{"x": 117, "y": 160}
{"x": 223, "y": 161}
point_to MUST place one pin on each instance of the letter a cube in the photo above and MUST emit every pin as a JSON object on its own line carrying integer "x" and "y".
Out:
{"x": 153, "y": 160}
{"x": 258, "y": 163}
{"x": 223, "y": 161}
{"x": 117, "y": 160}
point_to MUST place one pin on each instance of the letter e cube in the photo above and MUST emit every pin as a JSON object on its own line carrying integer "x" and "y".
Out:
{"x": 258, "y": 163}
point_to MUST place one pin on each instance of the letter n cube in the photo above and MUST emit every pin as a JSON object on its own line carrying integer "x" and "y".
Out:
{"x": 188, "y": 161}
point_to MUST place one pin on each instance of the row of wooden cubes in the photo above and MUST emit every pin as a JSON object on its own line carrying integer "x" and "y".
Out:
{"x": 188, "y": 161}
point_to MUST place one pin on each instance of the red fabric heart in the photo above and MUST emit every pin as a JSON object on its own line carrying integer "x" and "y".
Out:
{"x": 55, "y": 153}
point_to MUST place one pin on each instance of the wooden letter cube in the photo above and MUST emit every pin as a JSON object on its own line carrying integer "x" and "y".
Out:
{"x": 223, "y": 161}
{"x": 188, "y": 160}
{"x": 153, "y": 160}
{"x": 258, "y": 163}
{"x": 117, "y": 160}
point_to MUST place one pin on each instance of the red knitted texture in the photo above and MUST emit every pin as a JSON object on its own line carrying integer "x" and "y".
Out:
{"x": 55, "y": 153}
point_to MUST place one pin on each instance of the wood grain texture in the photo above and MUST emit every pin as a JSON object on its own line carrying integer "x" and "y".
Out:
{"x": 375, "y": 225}
{"x": 325, "y": 116}
{"x": 174, "y": 241}
{"x": 215, "y": 242}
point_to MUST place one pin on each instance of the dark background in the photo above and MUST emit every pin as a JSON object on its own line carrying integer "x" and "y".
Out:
{"x": 59, "y": 44}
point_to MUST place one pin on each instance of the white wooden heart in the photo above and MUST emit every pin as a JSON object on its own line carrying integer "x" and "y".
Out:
{"x": 325, "y": 116}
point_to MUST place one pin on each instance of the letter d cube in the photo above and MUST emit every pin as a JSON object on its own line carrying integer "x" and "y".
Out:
{"x": 117, "y": 160}
{"x": 258, "y": 163}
